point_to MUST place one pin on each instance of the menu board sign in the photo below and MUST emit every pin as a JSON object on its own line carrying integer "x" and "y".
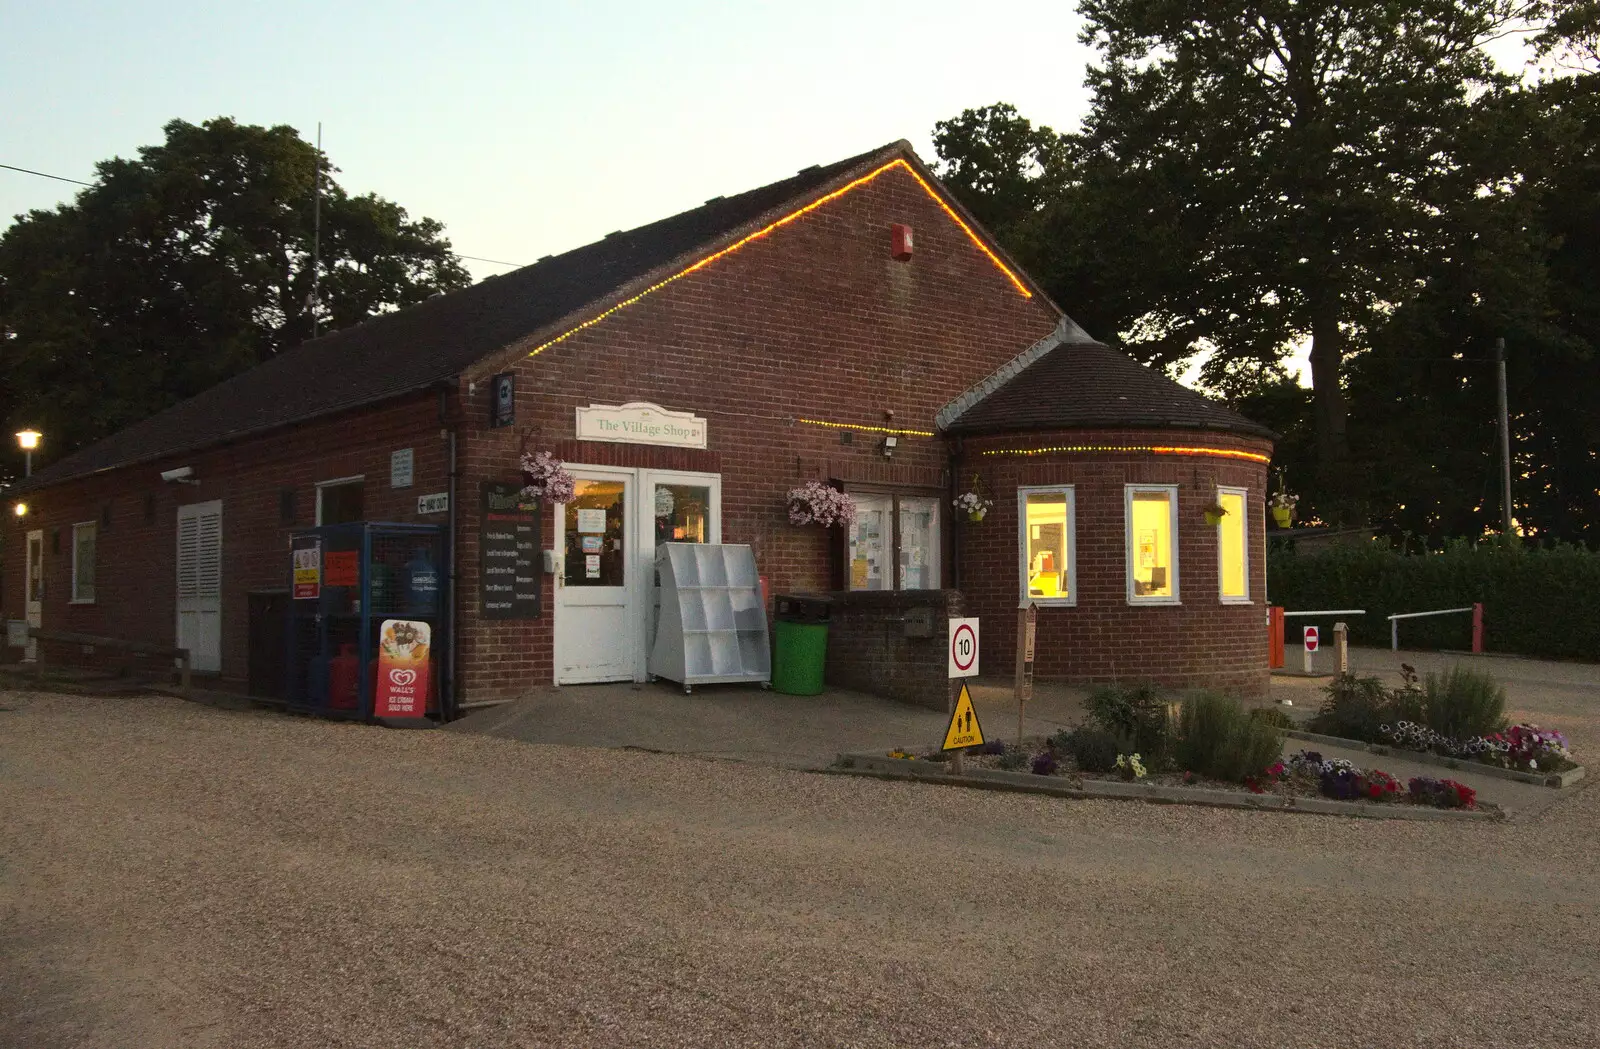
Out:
{"x": 509, "y": 580}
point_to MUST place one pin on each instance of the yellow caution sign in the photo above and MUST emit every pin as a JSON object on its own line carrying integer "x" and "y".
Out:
{"x": 964, "y": 730}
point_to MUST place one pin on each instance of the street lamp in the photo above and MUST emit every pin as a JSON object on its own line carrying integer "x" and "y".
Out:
{"x": 29, "y": 439}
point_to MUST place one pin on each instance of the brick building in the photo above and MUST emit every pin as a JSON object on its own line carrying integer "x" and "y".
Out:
{"x": 851, "y": 324}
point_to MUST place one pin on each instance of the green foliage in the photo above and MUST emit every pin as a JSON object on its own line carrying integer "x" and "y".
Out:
{"x": 1272, "y": 716}
{"x": 1137, "y": 715}
{"x": 1463, "y": 703}
{"x": 1536, "y": 602}
{"x": 1217, "y": 738}
{"x": 1355, "y": 708}
{"x": 1094, "y": 749}
{"x": 186, "y": 266}
{"x": 1012, "y": 759}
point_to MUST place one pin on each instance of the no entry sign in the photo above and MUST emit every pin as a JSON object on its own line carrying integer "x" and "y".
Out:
{"x": 964, "y": 647}
{"x": 1311, "y": 639}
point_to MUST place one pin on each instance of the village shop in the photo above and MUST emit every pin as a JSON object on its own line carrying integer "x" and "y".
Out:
{"x": 850, "y": 325}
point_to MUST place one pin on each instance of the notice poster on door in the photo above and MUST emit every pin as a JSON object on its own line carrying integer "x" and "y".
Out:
{"x": 509, "y": 577}
{"x": 403, "y": 672}
{"x": 591, "y": 522}
{"x": 306, "y": 552}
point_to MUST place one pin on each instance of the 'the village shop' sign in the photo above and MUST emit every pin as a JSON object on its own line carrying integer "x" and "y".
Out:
{"x": 639, "y": 422}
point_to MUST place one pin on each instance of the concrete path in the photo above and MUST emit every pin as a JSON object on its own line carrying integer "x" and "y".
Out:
{"x": 747, "y": 724}
{"x": 769, "y": 728}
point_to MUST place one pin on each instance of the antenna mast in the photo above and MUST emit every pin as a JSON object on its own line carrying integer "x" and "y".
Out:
{"x": 316, "y": 234}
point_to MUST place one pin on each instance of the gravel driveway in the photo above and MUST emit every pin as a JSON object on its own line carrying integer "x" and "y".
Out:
{"x": 175, "y": 876}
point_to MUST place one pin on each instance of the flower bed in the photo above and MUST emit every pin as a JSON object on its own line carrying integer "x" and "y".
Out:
{"x": 1304, "y": 775}
{"x": 1457, "y": 715}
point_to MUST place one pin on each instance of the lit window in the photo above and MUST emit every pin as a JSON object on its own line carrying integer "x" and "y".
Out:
{"x": 894, "y": 543}
{"x": 1233, "y": 545}
{"x": 341, "y": 501}
{"x": 83, "y": 542}
{"x": 1045, "y": 545}
{"x": 1152, "y": 516}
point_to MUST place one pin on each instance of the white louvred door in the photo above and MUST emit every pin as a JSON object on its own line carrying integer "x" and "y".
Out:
{"x": 200, "y": 584}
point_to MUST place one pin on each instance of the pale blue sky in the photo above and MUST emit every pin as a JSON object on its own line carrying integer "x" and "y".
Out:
{"x": 526, "y": 128}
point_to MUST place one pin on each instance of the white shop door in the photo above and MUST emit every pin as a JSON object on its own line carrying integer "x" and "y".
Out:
{"x": 200, "y": 584}
{"x": 597, "y": 622}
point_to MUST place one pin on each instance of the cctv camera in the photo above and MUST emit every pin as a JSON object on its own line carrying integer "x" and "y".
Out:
{"x": 181, "y": 474}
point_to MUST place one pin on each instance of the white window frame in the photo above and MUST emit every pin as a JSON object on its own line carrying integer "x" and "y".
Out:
{"x": 1070, "y": 492}
{"x": 1244, "y": 499}
{"x": 334, "y": 483}
{"x": 1128, "y": 491}
{"x": 77, "y": 599}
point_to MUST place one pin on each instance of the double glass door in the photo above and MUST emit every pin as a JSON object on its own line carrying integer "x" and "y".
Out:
{"x": 605, "y": 600}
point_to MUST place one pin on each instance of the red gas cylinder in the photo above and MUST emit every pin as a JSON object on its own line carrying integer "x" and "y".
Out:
{"x": 344, "y": 679}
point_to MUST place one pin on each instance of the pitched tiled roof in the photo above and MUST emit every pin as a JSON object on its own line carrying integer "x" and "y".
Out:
{"x": 415, "y": 348}
{"x": 1068, "y": 381}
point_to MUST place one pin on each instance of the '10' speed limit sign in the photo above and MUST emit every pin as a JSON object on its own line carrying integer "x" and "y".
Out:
{"x": 964, "y": 647}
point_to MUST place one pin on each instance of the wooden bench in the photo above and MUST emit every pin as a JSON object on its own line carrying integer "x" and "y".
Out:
{"x": 136, "y": 647}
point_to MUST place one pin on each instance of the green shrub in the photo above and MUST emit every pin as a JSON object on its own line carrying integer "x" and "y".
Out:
{"x": 1217, "y": 738}
{"x": 1138, "y": 716}
{"x": 1012, "y": 759}
{"x": 1355, "y": 708}
{"x": 1272, "y": 716}
{"x": 1093, "y": 748}
{"x": 1462, "y": 703}
{"x": 1537, "y": 602}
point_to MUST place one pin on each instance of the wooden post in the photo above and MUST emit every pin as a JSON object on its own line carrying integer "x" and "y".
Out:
{"x": 1341, "y": 645}
{"x": 957, "y": 765}
{"x": 1275, "y": 637}
{"x": 1027, "y": 626}
{"x": 1477, "y": 627}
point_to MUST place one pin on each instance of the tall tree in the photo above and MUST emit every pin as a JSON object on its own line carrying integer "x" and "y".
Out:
{"x": 1305, "y": 151}
{"x": 187, "y": 265}
{"x": 1529, "y": 272}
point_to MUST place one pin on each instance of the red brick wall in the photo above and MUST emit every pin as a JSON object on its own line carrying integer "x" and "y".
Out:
{"x": 1198, "y": 643}
{"x": 136, "y": 557}
{"x": 814, "y": 321}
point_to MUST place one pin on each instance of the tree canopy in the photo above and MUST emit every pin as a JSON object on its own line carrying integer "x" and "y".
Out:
{"x": 1258, "y": 175}
{"x": 188, "y": 265}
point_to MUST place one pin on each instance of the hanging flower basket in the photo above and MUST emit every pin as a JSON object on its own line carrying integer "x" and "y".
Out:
{"x": 818, "y": 504}
{"x": 1215, "y": 513}
{"x": 544, "y": 477}
{"x": 973, "y": 504}
{"x": 1282, "y": 507}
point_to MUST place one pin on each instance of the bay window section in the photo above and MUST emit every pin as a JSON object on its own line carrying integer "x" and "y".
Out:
{"x": 1048, "y": 526}
{"x": 1233, "y": 546}
{"x": 1152, "y": 544}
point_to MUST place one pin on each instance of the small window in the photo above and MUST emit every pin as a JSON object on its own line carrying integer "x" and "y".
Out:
{"x": 894, "y": 543}
{"x": 1152, "y": 523}
{"x": 83, "y": 543}
{"x": 341, "y": 501}
{"x": 1047, "y": 520}
{"x": 1233, "y": 546}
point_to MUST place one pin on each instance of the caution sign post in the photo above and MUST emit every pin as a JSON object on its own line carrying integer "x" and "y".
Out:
{"x": 963, "y": 730}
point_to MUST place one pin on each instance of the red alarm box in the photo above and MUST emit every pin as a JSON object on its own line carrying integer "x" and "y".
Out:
{"x": 900, "y": 240}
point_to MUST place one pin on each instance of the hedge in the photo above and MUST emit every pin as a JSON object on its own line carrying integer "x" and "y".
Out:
{"x": 1536, "y": 602}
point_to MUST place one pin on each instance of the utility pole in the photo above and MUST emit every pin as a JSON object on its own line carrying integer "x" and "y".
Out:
{"x": 1505, "y": 439}
{"x": 316, "y": 233}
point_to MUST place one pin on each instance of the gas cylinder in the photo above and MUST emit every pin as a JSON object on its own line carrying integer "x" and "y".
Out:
{"x": 344, "y": 679}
